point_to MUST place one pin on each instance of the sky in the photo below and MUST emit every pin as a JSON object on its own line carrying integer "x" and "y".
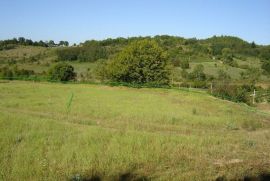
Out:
{"x": 80, "y": 20}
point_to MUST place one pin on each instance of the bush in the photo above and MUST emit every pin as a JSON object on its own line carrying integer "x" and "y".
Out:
{"x": 62, "y": 72}
{"x": 233, "y": 92}
{"x": 141, "y": 62}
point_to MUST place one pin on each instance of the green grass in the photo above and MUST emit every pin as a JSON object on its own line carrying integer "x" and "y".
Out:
{"x": 211, "y": 68}
{"x": 116, "y": 132}
{"x": 79, "y": 67}
{"x": 25, "y": 53}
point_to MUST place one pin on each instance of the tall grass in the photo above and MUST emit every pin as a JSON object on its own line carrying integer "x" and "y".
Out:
{"x": 116, "y": 132}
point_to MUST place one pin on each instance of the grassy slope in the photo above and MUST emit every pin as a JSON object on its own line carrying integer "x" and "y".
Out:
{"x": 110, "y": 131}
{"x": 25, "y": 53}
{"x": 47, "y": 58}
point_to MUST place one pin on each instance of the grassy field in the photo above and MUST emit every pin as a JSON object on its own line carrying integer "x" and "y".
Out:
{"x": 28, "y": 54}
{"x": 79, "y": 67}
{"x": 79, "y": 131}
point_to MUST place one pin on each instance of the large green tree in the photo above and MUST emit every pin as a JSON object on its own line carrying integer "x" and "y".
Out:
{"x": 142, "y": 61}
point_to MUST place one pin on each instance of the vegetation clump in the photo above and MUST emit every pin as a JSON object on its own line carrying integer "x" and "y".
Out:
{"x": 62, "y": 72}
{"x": 140, "y": 62}
{"x": 15, "y": 73}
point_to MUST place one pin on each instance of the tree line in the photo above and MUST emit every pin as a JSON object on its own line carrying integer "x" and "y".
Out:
{"x": 179, "y": 50}
{"x": 11, "y": 43}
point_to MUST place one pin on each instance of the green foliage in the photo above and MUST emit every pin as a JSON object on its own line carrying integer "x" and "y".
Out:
{"x": 253, "y": 45}
{"x": 184, "y": 64}
{"x": 235, "y": 44}
{"x": 101, "y": 69}
{"x": 140, "y": 62}
{"x": 11, "y": 43}
{"x": 6, "y": 73}
{"x": 214, "y": 53}
{"x": 63, "y": 43}
{"x": 62, "y": 72}
{"x": 68, "y": 54}
{"x": 92, "y": 51}
{"x": 223, "y": 76}
{"x": 198, "y": 73}
{"x": 252, "y": 75}
{"x": 227, "y": 53}
{"x": 184, "y": 74}
{"x": 233, "y": 92}
{"x": 15, "y": 73}
{"x": 197, "y": 76}
{"x": 268, "y": 93}
{"x": 265, "y": 53}
{"x": 266, "y": 67}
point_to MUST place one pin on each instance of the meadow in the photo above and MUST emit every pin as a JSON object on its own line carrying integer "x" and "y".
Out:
{"x": 54, "y": 131}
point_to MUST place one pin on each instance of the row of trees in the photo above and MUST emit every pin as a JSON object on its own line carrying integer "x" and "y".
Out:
{"x": 10, "y": 44}
{"x": 89, "y": 52}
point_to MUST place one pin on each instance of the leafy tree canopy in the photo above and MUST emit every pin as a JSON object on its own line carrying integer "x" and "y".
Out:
{"x": 142, "y": 61}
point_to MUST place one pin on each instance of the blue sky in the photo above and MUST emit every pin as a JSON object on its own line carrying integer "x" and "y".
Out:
{"x": 80, "y": 20}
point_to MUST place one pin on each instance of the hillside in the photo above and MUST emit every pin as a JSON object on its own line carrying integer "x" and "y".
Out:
{"x": 230, "y": 54}
{"x": 78, "y": 131}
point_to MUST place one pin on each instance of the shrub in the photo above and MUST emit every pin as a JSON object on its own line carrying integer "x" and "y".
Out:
{"x": 233, "y": 92}
{"x": 141, "y": 62}
{"x": 62, "y": 72}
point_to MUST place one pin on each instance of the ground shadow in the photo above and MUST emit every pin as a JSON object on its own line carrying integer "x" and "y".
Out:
{"x": 121, "y": 177}
{"x": 261, "y": 177}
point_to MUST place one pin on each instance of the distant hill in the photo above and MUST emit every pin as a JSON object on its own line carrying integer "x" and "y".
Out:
{"x": 230, "y": 54}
